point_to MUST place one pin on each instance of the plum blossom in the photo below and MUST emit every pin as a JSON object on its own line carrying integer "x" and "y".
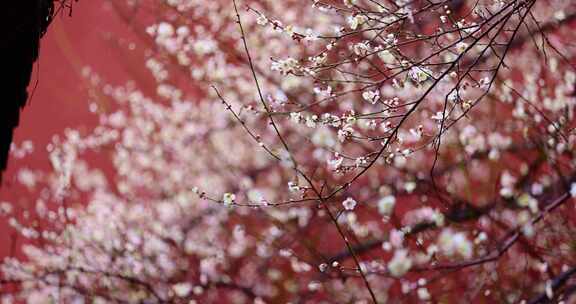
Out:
{"x": 371, "y": 96}
{"x": 349, "y": 204}
{"x": 400, "y": 263}
{"x": 229, "y": 199}
{"x": 386, "y": 204}
{"x": 355, "y": 21}
{"x": 286, "y": 66}
{"x": 455, "y": 243}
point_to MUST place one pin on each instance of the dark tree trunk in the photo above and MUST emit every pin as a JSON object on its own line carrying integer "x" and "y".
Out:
{"x": 23, "y": 23}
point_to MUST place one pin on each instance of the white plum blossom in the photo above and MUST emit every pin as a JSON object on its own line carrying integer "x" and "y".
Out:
{"x": 165, "y": 29}
{"x": 423, "y": 294}
{"x": 423, "y": 215}
{"x": 400, "y": 263}
{"x": 229, "y": 199}
{"x": 455, "y": 244}
{"x": 345, "y": 132}
{"x": 526, "y": 200}
{"x": 262, "y": 20}
{"x": 335, "y": 162}
{"x": 419, "y": 74}
{"x": 386, "y": 204}
{"x": 286, "y": 66}
{"x": 349, "y": 204}
{"x": 371, "y": 96}
{"x": 355, "y": 21}
{"x": 182, "y": 289}
{"x": 507, "y": 182}
{"x": 386, "y": 56}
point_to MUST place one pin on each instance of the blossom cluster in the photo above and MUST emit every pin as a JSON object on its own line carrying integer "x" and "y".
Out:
{"x": 348, "y": 151}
